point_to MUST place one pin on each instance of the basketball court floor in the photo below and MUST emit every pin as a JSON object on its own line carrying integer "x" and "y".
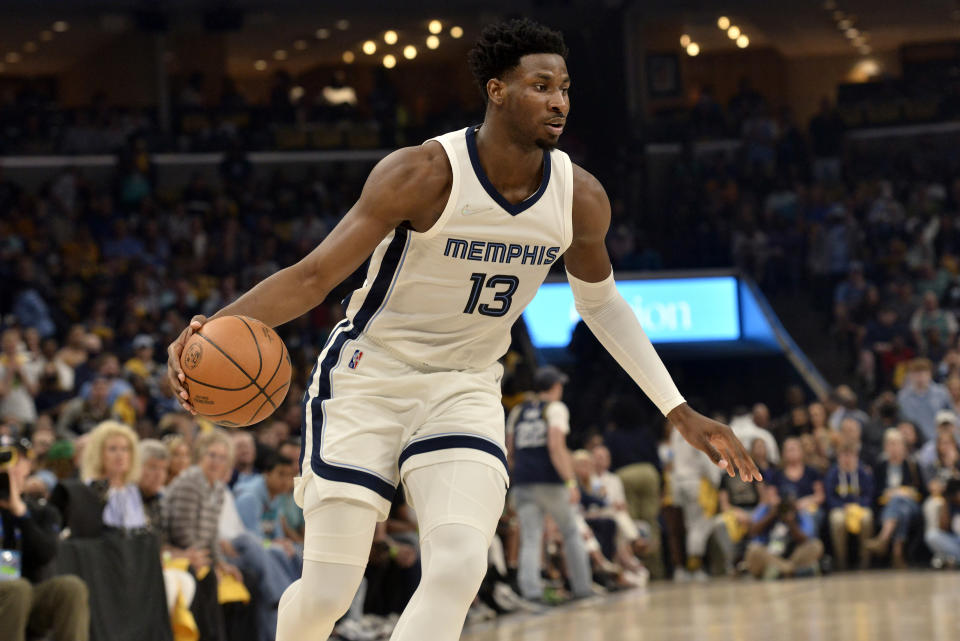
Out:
{"x": 872, "y": 606}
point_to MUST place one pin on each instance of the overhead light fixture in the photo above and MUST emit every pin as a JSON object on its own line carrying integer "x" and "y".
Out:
{"x": 30, "y": 46}
{"x": 390, "y": 37}
{"x": 456, "y": 32}
{"x": 46, "y": 35}
{"x": 60, "y": 26}
{"x": 693, "y": 49}
{"x": 723, "y": 22}
{"x": 839, "y": 15}
{"x": 296, "y": 93}
{"x": 865, "y": 50}
{"x": 322, "y": 34}
{"x": 12, "y": 57}
{"x": 844, "y": 24}
{"x": 733, "y": 32}
{"x": 409, "y": 52}
{"x": 299, "y": 45}
{"x": 743, "y": 41}
{"x": 684, "y": 40}
{"x": 389, "y": 61}
{"x": 369, "y": 47}
{"x": 433, "y": 42}
{"x": 280, "y": 54}
{"x": 851, "y": 33}
{"x": 343, "y": 25}
{"x": 260, "y": 65}
{"x": 435, "y": 27}
{"x": 348, "y": 57}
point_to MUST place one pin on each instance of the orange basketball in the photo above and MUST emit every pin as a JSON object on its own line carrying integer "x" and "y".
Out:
{"x": 237, "y": 371}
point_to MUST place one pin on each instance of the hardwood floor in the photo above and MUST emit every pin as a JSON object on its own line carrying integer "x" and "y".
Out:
{"x": 872, "y": 606}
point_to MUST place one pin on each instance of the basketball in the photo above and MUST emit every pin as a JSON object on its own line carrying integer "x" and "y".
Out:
{"x": 237, "y": 371}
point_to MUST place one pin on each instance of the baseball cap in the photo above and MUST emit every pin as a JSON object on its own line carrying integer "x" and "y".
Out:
{"x": 946, "y": 416}
{"x": 548, "y": 376}
{"x": 141, "y": 341}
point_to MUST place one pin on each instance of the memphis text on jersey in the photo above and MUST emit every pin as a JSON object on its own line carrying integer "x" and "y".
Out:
{"x": 490, "y": 252}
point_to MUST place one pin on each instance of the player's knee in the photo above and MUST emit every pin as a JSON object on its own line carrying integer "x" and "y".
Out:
{"x": 457, "y": 563}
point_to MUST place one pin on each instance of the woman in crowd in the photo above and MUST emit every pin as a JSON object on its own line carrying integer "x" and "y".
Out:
{"x": 800, "y": 482}
{"x": 179, "y": 455}
{"x": 111, "y": 465}
{"x": 899, "y": 489}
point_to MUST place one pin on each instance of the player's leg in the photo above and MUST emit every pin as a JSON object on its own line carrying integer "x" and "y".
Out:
{"x": 530, "y": 517}
{"x": 458, "y": 505}
{"x": 336, "y": 546}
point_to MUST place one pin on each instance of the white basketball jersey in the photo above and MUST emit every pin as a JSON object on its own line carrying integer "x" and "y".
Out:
{"x": 446, "y": 298}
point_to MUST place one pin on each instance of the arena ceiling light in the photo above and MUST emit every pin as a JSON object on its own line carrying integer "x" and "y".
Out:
{"x": 844, "y": 24}
{"x": 456, "y": 32}
{"x": 12, "y": 57}
{"x": 46, "y": 35}
{"x": 390, "y": 37}
{"x": 322, "y": 34}
{"x": 433, "y": 42}
{"x": 723, "y": 22}
{"x": 60, "y": 26}
{"x": 260, "y": 65}
{"x": 348, "y": 57}
{"x": 280, "y": 55}
{"x": 369, "y": 47}
{"x": 693, "y": 49}
{"x": 300, "y": 45}
{"x": 389, "y": 61}
{"x": 685, "y": 40}
{"x": 343, "y": 25}
{"x": 733, "y": 32}
{"x": 30, "y": 46}
{"x": 435, "y": 27}
{"x": 409, "y": 52}
{"x": 743, "y": 41}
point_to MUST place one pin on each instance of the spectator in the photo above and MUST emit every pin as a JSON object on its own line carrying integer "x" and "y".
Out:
{"x": 758, "y": 452}
{"x": 193, "y": 501}
{"x": 80, "y": 415}
{"x": 244, "y": 455}
{"x": 737, "y": 500}
{"x": 543, "y": 483}
{"x": 180, "y": 457}
{"x": 927, "y": 455}
{"x": 944, "y": 540}
{"x": 629, "y": 541}
{"x": 694, "y": 479}
{"x": 799, "y": 482}
{"x": 930, "y": 319}
{"x": 784, "y": 540}
{"x": 846, "y": 407}
{"x": 756, "y": 425}
{"x": 899, "y": 493}
{"x": 849, "y": 495}
{"x": 142, "y": 364}
{"x": 111, "y": 465}
{"x": 920, "y": 398}
{"x": 18, "y": 381}
{"x": 32, "y": 601}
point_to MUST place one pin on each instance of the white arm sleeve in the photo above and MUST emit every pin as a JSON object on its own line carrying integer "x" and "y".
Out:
{"x": 612, "y": 321}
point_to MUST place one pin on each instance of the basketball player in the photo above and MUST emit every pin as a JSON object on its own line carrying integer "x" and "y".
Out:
{"x": 462, "y": 231}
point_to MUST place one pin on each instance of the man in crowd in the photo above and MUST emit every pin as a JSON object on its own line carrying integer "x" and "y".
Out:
{"x": 31, "y": 599}
{"x": 849, "y": 489}
{"x": 920, "y": 398}
{"x": 785, "y": 540}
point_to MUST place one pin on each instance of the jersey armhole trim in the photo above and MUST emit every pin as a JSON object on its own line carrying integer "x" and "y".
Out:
{"x": 454, "y": 189}
{"x": 567, "y": 200}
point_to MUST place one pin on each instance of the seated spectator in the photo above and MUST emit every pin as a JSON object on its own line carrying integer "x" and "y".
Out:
{"x": 32, "y": 601}
{"x": 900, "y": 489}
{"x": 111, "y": 465}
{"x": 153, "y": 477}
{"x": 18, "y": 383}
{"x": 849, "y": 496}
{"x": 693, "y": 477}
{"x": 630, "y": 542}
{"x": 944, "y": 540}
{"x": 800, "y": 482}
{"x": 737, "y": 500}
{"x": 291, "y": 513}
{"x": 929, "y": 317}
{"x": 80, "y": 415}
{"x": 258, "y": 502}
{"x": 784, "y": 540}
{"x": 920, "y": 398}
{"x": 180, "y": 457}
{"x": 760, "y": 455}
{"x": 926, "y": 456}
{"x": 244, "y": 455}
{"x": 748, "y": 427}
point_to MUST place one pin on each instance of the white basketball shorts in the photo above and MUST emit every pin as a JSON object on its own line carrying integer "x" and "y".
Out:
{"x": 370, "y": 418}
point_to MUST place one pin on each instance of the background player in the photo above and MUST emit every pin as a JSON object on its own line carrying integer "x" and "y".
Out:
{"x": 411, "y": 364}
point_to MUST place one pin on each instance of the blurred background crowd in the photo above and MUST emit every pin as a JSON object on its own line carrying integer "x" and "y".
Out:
{"x": 853, "y": 235}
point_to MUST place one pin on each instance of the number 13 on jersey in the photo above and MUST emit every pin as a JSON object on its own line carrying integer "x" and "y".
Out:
{"x": 504, "y": 286}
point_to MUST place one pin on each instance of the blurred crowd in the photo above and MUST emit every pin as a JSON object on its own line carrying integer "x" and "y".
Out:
{"x": 99, "y": 278}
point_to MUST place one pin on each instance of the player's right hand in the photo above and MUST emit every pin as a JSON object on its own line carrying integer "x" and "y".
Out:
{"x": 174, "y": 371}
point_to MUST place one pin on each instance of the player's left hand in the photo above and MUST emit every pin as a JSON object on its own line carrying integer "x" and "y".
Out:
{"x": 716, "y": 440}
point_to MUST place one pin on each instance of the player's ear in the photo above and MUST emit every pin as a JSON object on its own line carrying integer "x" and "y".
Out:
{"x": 495, "y": 91}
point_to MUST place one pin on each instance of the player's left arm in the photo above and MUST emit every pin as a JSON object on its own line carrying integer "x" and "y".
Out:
{"x": 615, "y": 325}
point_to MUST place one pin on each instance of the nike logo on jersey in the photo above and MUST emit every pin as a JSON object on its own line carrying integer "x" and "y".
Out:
{"x": 471, "y": 211}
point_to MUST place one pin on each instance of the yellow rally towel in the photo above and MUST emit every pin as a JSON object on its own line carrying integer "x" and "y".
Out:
{"x": 736, "y": 530}
{"x": 229, "y": 590}
{"x": 708, "y": 498}
{"x": 183, "y": 623}
{"x": 853, "y": 512}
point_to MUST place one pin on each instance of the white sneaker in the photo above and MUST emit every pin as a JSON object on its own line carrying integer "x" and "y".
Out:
{"x": 353, "y": 630}
{"x": 681, "y": 576}
{"x": 700, "y": 576}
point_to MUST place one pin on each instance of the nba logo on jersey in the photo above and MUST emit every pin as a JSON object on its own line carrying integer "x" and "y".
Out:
{"x": 355, "y": 359}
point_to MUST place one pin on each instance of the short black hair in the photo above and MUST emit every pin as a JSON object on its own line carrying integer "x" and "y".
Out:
{"x": 502, "y": 44}
{"x": 273, "y": 460}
